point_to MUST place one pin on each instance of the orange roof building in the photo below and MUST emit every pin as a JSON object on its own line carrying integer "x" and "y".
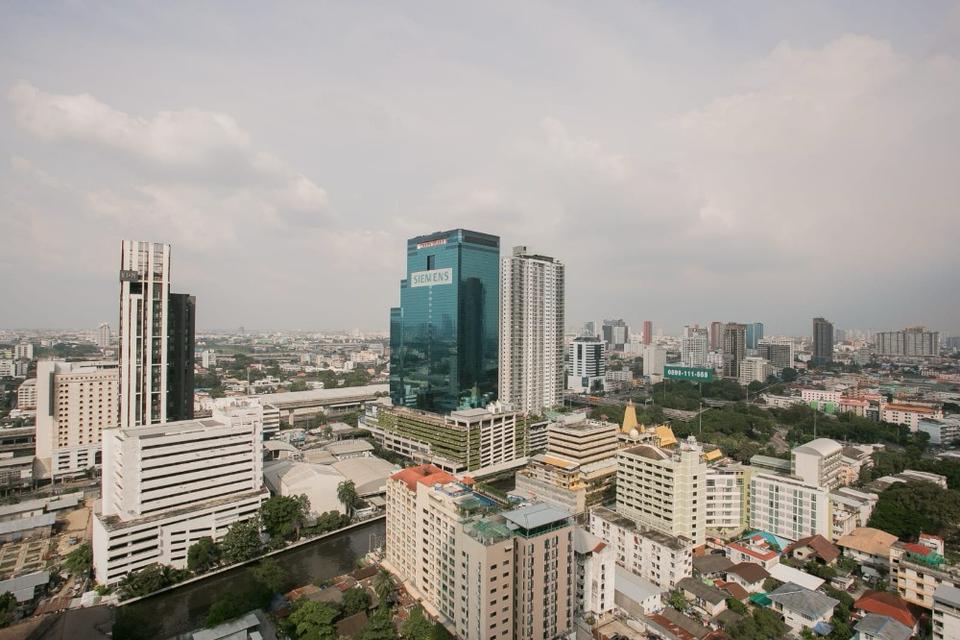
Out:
{"x": 427, "y": 474}
{"x": 887, "y": 604}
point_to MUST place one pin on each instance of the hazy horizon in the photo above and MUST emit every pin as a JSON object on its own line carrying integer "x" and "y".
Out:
{"x": 688, "y": 163}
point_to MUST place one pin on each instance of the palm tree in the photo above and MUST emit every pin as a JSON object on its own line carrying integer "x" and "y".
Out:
{"x": 347, "y": 495}
{"x": 384, "y": 586}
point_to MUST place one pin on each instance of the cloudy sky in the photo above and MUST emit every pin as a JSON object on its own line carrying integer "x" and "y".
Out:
{"x": 689, "y": 161}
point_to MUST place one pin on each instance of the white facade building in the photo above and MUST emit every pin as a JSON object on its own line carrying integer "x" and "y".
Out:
{"x": 850, "y": 509}
{"x": 819, "y": 463}
{"x": 725, "y": 498}
{"x": 103, "y": 335}
{"x": 695, "y": 347}
{"x": 664, "y": 489}
{"x": 753, "y": 369}
{"x": 946, "y": 612}
{"x": 208, "y": 358}
{"x": 788, "y": 507}
{"x": 23, "y": 351}
{"x": 660, "y": 558}
{"x": 76, "y": 401}
{"x": 27, "y": 394}
{"x": 909, "y": 414}
{"x": 654, "y": 360}
{"x": 144, "y": 295}
{"x": 586, "y": 364}
{"x": 166, "y": 486}
{"x": 531, "y": 368}
{"x": 594, "y": 571}
{"x": 821, "y": 395}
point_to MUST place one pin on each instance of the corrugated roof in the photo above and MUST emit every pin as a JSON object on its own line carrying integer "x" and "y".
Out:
{"x": 812, "y": 604}
{"x": 882, "y": 628}
{"x": 536, "y": 515}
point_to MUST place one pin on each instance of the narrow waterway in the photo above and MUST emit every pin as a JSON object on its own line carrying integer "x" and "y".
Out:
{"x": 185, "y": 608}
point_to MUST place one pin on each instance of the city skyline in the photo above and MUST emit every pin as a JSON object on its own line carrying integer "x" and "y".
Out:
{"x": 303, "y": 180}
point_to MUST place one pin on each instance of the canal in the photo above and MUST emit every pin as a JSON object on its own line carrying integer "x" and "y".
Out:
{"x": 185, "y": 608}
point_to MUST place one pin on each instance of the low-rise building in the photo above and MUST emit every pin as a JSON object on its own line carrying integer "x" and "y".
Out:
{"x": 850, "y": 509}
{"x": 755, "y": 549}
{"x": 27, "y": 394}
{"x": 942, "y": 432}
{"x": 594, "y": 574}
{"x": 868, "y": 546}
{"x": 801, "y": 608}
{"x": 875, "y": 627}
{"x": 707, "y": 598}
{"x": 788, "y": 507}
{"x": 815, "y": 548}
{"x": 909, "y": 415}
{"x": 748, "y": 575}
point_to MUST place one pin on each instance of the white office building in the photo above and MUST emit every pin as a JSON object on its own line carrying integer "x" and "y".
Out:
{"x": 586, "y": 364}
{"x": 208, "y": 358}
{"x": 658, "y": 557}
{"x": 27, "y": 394}
{"x": 788, "y": 507}
{"x": 23, "y": 351}
{"x": 664, "y": 489}
{"x": 531, "y": 372}
{"x": 654, "y": 360}
{"x": 819, "y": 463}
{"x": 166, "y": 486}
{"x": 753, "y": 369}
{"x": 946, "y": 612}
{"x": 76, "y": 401}
{"x": 726, "y": 498}
{"x": 144, "y": 295}
{"x": 695, "y": 347}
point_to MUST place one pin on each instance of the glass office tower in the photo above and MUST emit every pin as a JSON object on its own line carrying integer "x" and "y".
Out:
{"x": 443, "y": 336}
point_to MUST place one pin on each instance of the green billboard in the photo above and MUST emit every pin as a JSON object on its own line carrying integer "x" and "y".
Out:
{"x": 695, "y": 374}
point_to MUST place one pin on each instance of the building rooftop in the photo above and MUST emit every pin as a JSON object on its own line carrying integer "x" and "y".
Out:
{"x": 786, "y": 573}
{"x": 368, "y": 473}
{"x": 585, "y": 542}
{"x": 882, "y": 628}
{"x": 633, "y": 586}
{"x": 347, "y": 447}
{"x": 823, "y": 548}
{"x": 749, "y": 571}
{"x": 712, "y": 563}
{"x": 488, "y": 531}
{"x": 324, "y": 395}
{"x": 647, "y": 451}
{"x": 868, "y": 540}
{"x": 427, "y": 474}
{"x": 886, "y": 604}
{"x": 702, "y": 591}
{"x": 820, "y": 446}
{"x": 947, "y": 594}
{"x": 811, "y": 604}
{"x": 536, "y": 515}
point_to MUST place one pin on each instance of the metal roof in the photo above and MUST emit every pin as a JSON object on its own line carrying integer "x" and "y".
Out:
{"x": 812, "y": 604}
{"x": 536, "y": 515}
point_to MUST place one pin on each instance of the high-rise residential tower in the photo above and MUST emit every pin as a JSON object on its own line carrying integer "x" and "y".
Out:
{"x": 647, "y": 331}
{"x": 531, "y": 369}
{"x": 144, "y": 317}
{"x": 443, "y": 336}
{"x": 822, "y": 341}
{"x": 734, "y": 348}
{"x": 103, "y": 335}
{"x": 616, "y": 333}
{"x": 180, "y": 356}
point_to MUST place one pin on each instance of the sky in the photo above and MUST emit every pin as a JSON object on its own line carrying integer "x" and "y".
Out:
{"x": 687, "y": 161}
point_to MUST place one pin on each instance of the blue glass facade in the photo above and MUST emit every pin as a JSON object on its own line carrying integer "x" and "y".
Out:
{"x": 443, "y": 336}
{"x": 754, "y": 334}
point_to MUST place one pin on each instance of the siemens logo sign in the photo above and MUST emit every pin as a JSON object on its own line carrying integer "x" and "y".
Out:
{"x": 431, "y": 278}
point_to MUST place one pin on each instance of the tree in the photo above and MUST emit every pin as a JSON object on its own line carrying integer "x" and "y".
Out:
{"x": 298, "y": 385}
{"x": 283, "y": 516}
{"x": 347, "y": 495}
{"x": 906, "y": 509}
{"x": 384, "y": 586}
{"x": 355, "y": 600}
{"x": 762, "y": 625}
{"x": 8, "y": 608}
{"x": 416, "y": 626}
{"x": 440, "y": 632}
{"x": 203, "y": 555}
{"x": 80, "y": 560}
{"x": 270, "y": 574}
{"x": 677, "y": 600}
{"x": 149, "y": 579}
{"x": 736, "y": 606}
{"x": 314, "y": 621}
{"x": 789, "y": 374}
{"x": 242, "y": 541}
{"x": 380, "y": 626}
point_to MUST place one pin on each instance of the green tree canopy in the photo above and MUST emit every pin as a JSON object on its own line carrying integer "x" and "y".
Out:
{"x": 283, "y": 516}
{"x": 355, "y": 600}
{"x": 906, "y": 509}
{"x": 380, "y": 626}
{"x": 416, "y": 626}
{"x": 8, "y": 608}
{"x": 242, "y": 541}
{"x": 314, "y": 620}
{"x": 270, "y": 574}
{"x": 203, "y": 555}
{"x": 762, "y": 625}
{"x": 384, "y": 586}
{"x": 80, "y": 560}
{"x": 149, "y": 579}
{"x": 347, "y": 495}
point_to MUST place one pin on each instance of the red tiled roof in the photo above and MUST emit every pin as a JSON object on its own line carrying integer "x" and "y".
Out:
{"x": 887, "y": 604}
{"x": 733, "y": 589}
{"x": 427, "y": 474}
{"x": 918, "y": 549}
{"x": 671, "y": 627}
{"x": 756, "y": 553}
{"x": 820, "y": 545}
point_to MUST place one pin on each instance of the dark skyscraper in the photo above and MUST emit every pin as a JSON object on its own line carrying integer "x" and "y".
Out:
{"x": 443, "y": 336}
{"x": 181, "y": 331}
{"x": 734, "y": 348}
{"x": 822, "y": 341}
{"x": 716, "y": 335}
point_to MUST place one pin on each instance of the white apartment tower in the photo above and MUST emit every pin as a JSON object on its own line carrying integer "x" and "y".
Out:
{"x": 103, "y": 335}
{"x": 76, "y": 401}
{"x": 166, "y": 486}
{"x": 664, "y": 489}
{"x": 586, "y": 364}
{"x": 144, "y": 295}
{"x": 531, "y": 331}
{"x": 789, "y": 507}
{"x": 695, "y": 347}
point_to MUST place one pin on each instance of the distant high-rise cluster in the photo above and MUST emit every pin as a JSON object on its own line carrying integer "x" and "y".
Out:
{"x": 695, "y": 347}
{"x": 616, "y": 333}
{"x": 734, "y": 348}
